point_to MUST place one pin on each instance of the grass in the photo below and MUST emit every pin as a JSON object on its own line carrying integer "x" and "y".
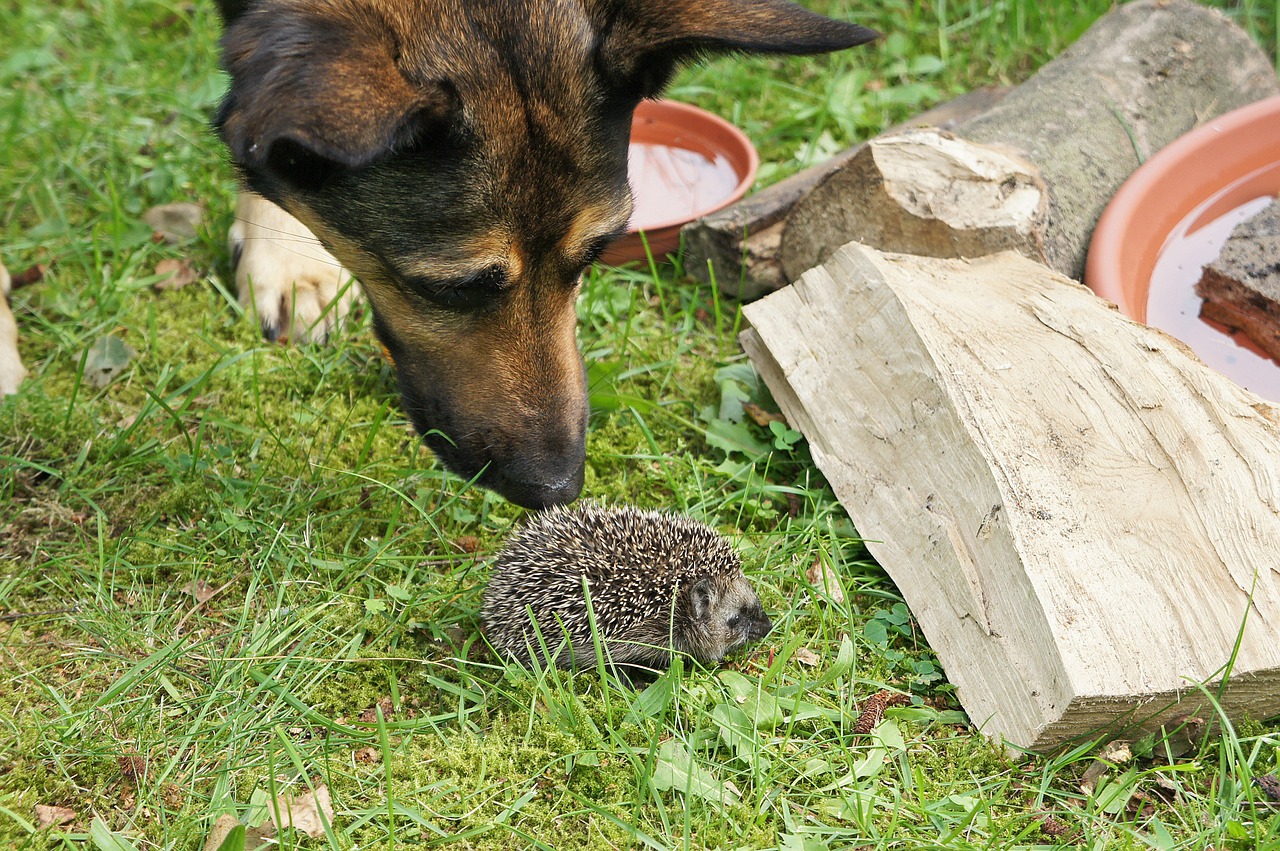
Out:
{"x": 339, "y": 644}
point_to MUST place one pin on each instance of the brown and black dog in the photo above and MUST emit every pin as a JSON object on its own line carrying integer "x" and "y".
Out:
{"x": 466, "y": 160}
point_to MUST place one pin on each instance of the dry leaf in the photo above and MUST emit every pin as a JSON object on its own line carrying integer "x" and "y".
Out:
{"x": 178, "y": 274}
{"x": 368, "y": 755}
{"x": 822, "y": 576}
{"x": 49, "y": 816}
{"x": 1117, "y": 752}
{"x": 370, "y": 715}
{"x": 223, "y": 825}
{"x": 1051, "y": 826}
{"x": 199, "y": 589}
{"x": 1270, "y": 786}
{"x": 175, "y": 222}
{"x": 304, "y": 812}
{"x": 760, "y": 416}
{"x": 805, "y": 656}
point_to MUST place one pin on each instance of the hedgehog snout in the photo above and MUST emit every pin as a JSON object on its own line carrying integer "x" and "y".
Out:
{"x": 749, "y": 624}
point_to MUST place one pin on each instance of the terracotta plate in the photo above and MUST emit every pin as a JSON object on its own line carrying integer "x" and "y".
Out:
{"x": 685, "y": 163}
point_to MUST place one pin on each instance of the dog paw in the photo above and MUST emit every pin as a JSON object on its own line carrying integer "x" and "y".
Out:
{"x": 297, "y": 290}
{"x": 11, "y": 370}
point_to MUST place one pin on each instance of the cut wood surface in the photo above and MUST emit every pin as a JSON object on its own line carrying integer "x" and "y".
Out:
{"x": 1081, "y": 515}
{"x": 1140, "y": 77}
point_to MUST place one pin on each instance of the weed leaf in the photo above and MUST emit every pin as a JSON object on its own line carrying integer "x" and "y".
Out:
{"x": 678, "y": 769}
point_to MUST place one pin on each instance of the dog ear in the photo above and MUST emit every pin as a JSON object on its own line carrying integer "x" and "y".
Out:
{"x": 311, "y": 95}
{"x": 648, "y": 39}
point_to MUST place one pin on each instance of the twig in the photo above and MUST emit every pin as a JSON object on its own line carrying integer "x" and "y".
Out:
{"x": 13, "y": 616}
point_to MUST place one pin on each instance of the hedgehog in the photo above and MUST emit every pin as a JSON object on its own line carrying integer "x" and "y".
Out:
{"x": 659, "y": 584}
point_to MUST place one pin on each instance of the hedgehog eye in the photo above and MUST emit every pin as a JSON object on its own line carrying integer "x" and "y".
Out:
{"x": 734, "y": 621}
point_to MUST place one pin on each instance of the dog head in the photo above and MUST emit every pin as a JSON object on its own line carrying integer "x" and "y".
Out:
{"x": 467, "y": 161}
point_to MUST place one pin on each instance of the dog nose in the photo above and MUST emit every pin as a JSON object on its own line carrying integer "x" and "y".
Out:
{"x": 537, "y": 496}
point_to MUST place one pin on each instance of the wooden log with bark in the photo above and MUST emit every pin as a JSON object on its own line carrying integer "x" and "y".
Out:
{"x": 1137, "y": 79}
{"x": 1082, "y": 516}
{"x": 746, "y": 237}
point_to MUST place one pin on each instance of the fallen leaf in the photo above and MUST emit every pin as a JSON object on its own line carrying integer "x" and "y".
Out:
{"x": 823, "y": 577}
{"x": 32, "y": 275}
{"x": 760, "y": 416}
{"x": 1051, "y": 826}
{"x": 50, "y": 816}
{"x": 106, "y": 359}
{"x": 467, "y": 543}
{"x": 805, "y": 656}
{"x": 222, "y": 826}
{"x": 177, "y": 274}
{"x": 368, "y": 755}
{"x": 307, "y": 813}
{"x": 1117, "y": 752}
{"x": 199, "y": 589}
{"x": 370, "y": 715}
{"x": 176, "y": 222}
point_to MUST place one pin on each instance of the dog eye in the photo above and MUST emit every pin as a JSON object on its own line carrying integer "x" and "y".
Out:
{"x": 467, "y": 293}
{"x": 598, "y": 245}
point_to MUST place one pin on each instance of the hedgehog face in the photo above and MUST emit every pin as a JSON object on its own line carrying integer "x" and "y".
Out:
{"x": 724, "y": 614}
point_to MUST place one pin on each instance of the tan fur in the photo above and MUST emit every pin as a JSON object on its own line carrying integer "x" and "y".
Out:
{"x": 285, "y": 278}
{"x": 11, "y": 369}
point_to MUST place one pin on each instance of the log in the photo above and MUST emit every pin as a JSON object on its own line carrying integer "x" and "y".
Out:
{"x": 1241, "y": 288}
{"x": 739, "y": 245}
{"x": 1141, "y": 76}
{"x": 1082, "y": 516}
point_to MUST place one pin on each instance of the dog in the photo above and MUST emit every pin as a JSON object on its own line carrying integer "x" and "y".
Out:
{"x": 465, "y": 161}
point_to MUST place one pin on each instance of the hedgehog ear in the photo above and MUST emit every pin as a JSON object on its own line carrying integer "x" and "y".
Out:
{"x": 702, "y": 598}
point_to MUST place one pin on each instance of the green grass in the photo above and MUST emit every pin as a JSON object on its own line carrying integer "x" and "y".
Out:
{"x": 348, "y": 566}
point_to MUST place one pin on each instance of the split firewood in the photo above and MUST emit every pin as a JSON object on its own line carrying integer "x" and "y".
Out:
{"x": 1081, "y": 515}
